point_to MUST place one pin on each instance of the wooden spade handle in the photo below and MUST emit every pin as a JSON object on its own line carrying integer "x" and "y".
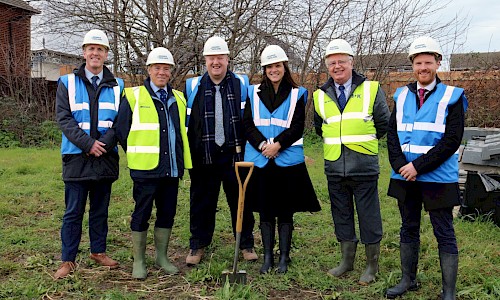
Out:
{"x": 242, "y": 190}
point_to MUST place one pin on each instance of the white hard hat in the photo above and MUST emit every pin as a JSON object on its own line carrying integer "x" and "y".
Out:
{"x": 215, "y": 45}
{"x": 160, "y": 55}
{"x": 424, "y": 44}
{"x": 272, "y": 54}
{"x": 338, "y": 46}
{"x": 97, "y": 37}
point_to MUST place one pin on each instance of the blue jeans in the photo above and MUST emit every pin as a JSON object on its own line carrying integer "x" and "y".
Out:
{"x": 76, "y": 193}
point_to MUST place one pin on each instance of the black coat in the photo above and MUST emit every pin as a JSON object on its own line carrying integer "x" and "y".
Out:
{"x": 434, "y": 195}
{"x": 196, "y": 120}
{"x": 79, "y": 167}
{"x": 275, "y": 190}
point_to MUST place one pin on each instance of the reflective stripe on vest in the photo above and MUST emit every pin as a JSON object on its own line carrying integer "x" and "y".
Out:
{"x": 438, "y": 124}
{"x": 354, "y": 127}
{"x": 419, "y": 130}
{"x": 143, "y": 142}
{"x": 78, "y": 98}
{"x": 272, "y": 124}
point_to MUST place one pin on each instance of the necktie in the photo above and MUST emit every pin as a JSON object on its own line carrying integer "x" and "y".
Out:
{"x": 219, "y": 118}
{"x": 163, "y": 96}
{"x": 421, "y": 96}
{"x": 94, "y": 82}
{"x": 342, "y": 99}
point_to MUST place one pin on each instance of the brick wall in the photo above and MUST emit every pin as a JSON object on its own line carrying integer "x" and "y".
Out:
{"x": 14, "y": 42}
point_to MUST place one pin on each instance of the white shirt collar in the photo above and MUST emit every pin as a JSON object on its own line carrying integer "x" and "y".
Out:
{"x": 347, "y": 86}
{"x": 429, "y": 87}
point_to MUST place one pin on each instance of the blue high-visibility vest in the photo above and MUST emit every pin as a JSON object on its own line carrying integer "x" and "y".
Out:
{"x": 109, "y": 101}
{"x": 192, "y": 85}
{"x": 271, "y": 124}
{"x": 419, "y": 130}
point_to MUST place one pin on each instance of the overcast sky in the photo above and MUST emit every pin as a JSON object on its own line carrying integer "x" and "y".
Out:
{"x": 483, "y": 34}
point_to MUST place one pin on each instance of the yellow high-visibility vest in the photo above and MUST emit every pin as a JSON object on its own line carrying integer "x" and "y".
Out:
{"x": 354, "y": 127}
{"x": 143, "y": 142}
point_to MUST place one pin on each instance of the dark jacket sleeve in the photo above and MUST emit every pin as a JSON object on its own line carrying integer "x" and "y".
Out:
{"x": 67, "y": 122}
{"x": 318, "y": 123}
{"x": 380, "y": 113}
{"x": 290, "y": 135}
{"x": 396, "y": 157}
{"x": 448, "y": 145}
{"x": 109, "y": 138}
{"x": 253, "y": 135}
{"x": 123, "y": 122}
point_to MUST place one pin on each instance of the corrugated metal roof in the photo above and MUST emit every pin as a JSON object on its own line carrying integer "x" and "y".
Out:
{"x": 20, "y": 4}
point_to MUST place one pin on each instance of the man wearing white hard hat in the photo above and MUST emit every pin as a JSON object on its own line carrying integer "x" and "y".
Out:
{"x": 351, "y": 115}
{"x": 425, "y": 132}
{"x": 86, "y": 107}
{"x": 217, "y": 140}
{"x": 150, "y": 128}
{"x": 274, "y": 123}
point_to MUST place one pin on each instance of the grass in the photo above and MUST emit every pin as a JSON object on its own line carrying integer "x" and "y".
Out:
{"x": 32, "y": 206}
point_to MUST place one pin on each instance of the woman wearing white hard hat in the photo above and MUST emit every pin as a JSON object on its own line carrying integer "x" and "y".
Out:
{"x": 274, "y": 124}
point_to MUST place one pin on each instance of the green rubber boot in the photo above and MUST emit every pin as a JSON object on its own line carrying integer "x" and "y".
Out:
{"x": 162, "y": 237}
{"x": 348, "y": 250}
{"x": 372, "y": 254}
{"x": 139, "y": 270}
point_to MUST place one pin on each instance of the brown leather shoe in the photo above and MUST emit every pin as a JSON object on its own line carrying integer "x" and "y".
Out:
{"x": 65, "y": 269}
{"x": 249, "y": 254}
{"x": 194, "y": 257}
{"x": 104, "y": 260}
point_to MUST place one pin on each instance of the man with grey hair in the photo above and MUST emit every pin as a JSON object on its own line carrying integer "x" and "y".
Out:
{"x": 351, "y": 115}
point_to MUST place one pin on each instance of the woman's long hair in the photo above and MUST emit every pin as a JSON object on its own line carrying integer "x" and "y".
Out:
{"x": 287, "y": 76}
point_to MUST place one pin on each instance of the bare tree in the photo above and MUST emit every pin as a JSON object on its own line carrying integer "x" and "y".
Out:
{"x": 302, "y": 27}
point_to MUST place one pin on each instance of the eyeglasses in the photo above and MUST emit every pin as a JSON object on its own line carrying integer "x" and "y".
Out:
{"x": 338, "y": 62}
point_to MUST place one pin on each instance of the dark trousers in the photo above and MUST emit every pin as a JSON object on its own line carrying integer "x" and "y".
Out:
{"x": 163, "y": 191}
{"x": 75, "y": 197}
{"x": 365, "y": 193}
{"x": 441, "y": 220}
{"x": 271, "y": 218}
{"x": 205, "y": 187}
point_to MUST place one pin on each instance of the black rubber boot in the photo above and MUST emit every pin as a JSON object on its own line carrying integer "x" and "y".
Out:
{"x": 267, "y": 230}
{"x": 348, "y": 250}
{"x": 409, "y": 261}
{"x": 372, "y": 254}
{"x": 285, "y": 237}
{"x": 449, "y": 269}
